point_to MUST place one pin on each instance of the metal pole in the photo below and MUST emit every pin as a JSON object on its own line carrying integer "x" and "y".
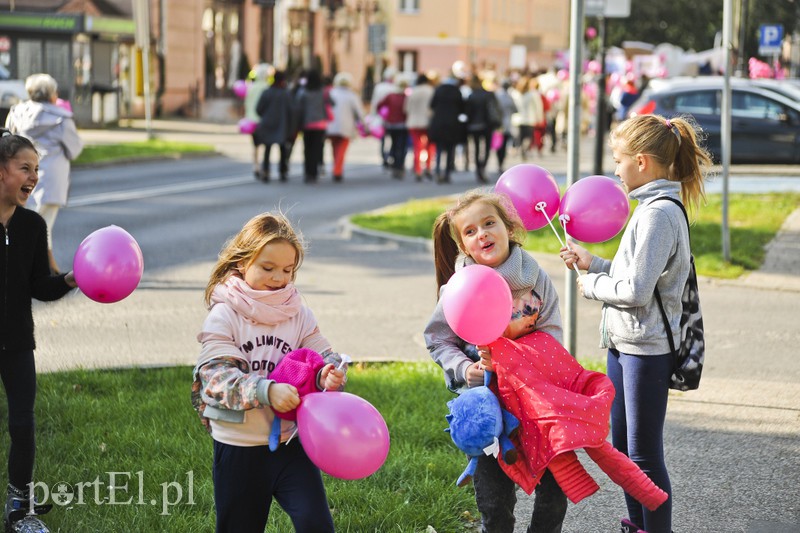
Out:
{"x": 600, "y": 121}
{"x": 147, "y": 119}
{"x": 573, "y": 167}
{"x": 725, "y": 126}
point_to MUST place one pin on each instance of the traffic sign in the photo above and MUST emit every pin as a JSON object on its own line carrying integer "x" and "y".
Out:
{"x": 770, "y": 37}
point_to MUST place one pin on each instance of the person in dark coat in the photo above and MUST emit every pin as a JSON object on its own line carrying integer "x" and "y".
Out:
{"x": 446, "y": 130}
{"x": 314, "y": 114}
{"x": 483, "y": 117}
{"x": 276, "y": 123}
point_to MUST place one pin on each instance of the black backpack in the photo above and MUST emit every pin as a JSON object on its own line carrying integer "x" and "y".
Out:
{"x": 690, "y": 354}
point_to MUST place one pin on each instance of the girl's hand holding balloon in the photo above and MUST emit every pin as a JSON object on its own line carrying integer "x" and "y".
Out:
{"x": 474, "y": 375}
{"x": 572, "y": 254}
{"x": 486, "y": 357}
{"x": 283, "y": 397}
{"x": 70, "y": 279}
{"x": 331, "y": 378}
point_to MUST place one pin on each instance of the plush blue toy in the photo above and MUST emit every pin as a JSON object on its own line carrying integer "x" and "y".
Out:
{"x": 479, "y": 425}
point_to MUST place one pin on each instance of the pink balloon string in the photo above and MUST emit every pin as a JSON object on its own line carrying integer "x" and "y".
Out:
{"x": 541, "y": 206}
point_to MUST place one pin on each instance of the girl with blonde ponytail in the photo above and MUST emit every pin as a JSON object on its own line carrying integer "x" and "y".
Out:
{"x": 656, "y": 158}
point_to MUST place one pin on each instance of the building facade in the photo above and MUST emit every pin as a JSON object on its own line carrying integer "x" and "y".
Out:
{"x": 199, "y": 48}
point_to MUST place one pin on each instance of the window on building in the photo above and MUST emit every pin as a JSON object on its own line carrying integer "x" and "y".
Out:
{"x": 407, "y": 59}
{"x": 409, "y": 6}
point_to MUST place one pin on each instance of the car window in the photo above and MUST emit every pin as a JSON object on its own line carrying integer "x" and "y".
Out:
{"x": 749, "y": 105}
{"x": 696, "y": 102}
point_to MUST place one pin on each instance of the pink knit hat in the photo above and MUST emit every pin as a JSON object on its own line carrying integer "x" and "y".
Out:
{"x": 298, "y": 368}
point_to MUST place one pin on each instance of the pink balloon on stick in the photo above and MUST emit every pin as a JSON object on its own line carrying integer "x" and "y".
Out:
{"x": 594, "y": 209}
{"x": 526, "y": 186}
{"x": 247, "y": 126}
{"x": 343, "y": 434}
{"x": 477, "y": 304}
{"x": 108, "y": 264}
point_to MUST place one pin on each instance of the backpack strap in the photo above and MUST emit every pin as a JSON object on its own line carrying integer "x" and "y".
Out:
{"x": 657, "y": 295}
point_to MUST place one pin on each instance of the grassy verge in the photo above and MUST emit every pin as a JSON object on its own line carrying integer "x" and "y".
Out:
{"x": 754, "y": 219}
{"x": 140, "y": 424}
{"x": 106, "y": 153}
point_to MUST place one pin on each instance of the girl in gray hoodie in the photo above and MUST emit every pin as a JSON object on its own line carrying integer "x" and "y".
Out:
{"x": 655, "y": 158}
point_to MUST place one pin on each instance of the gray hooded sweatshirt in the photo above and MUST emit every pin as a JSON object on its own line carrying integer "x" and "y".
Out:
{"x": 535, "y": 309}
{"x": 654, "y": 250}
{"x": 53, "y": 132}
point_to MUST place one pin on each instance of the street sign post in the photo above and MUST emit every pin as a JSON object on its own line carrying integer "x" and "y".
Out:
{"x": 770, "y": 37}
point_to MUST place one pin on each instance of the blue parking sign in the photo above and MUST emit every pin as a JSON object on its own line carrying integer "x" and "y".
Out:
{"x": 770, "y": 37}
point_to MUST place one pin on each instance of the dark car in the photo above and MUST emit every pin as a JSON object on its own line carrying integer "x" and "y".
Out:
{"x": 765, "y": 125}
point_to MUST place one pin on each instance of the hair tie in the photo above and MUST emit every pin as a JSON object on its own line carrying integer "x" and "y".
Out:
{"x": 674, "y": 129}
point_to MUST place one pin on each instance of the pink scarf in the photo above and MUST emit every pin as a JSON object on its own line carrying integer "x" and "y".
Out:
{"x": 262, "y": 307}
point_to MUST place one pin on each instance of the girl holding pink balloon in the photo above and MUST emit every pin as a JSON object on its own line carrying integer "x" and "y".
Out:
{"x": 25, "y": 273}
{"x": 655, "y": 158}
{"x": 483, "y": 228}
{"x": 257, "y": 316}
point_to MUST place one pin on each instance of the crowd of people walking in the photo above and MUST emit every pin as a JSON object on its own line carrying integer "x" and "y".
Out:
{"x": 465, "y": 116}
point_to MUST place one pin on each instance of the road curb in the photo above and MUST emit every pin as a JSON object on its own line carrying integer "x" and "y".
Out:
{"x": 753, "y": 280}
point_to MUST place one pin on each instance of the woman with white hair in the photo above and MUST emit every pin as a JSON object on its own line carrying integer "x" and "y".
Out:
{"x": 347, "y": 113}
{"x": 53, "y": 132}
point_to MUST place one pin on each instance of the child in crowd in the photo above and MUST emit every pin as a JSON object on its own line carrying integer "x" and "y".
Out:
{"x": 256, "y": 317}
{"x": 483, "y": 228}
{"x": 25, "y": 273}
{"x": 656, "y": 158}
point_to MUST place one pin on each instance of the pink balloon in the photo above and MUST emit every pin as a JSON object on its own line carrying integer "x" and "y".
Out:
{"x": 528, "y": 186}
{"x": 477, "y": 304}
{"x": 64, "y": 104}
{"x": 594, "y": 209}
{"x": 377, "y": 131}
{"x": 497, "y": 140}
{"x": 383, "y": 111}
{"x": 343, "y": 434}
{"x": 108, "y": 264}
{"x": 247, "y": 126}
{"x": 240, "y": 88}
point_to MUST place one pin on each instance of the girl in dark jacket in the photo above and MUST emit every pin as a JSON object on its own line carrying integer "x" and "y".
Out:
{"x": 24, "y": 274}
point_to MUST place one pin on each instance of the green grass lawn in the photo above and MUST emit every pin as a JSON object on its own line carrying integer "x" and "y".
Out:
{"x": 105, "y": 153}
{"x": 754, "y": 219}
{"x": 141, "y": 425}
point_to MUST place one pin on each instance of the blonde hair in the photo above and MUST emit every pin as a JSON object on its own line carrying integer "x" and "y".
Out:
{"x": 447, "y": 242}
{"x": 675, "y": 144}
{"x": 242, "y": 249}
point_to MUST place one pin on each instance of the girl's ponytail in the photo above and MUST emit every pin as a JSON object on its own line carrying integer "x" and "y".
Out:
{"x": 690, "y": 165}
{"x": 445, "y": 250}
